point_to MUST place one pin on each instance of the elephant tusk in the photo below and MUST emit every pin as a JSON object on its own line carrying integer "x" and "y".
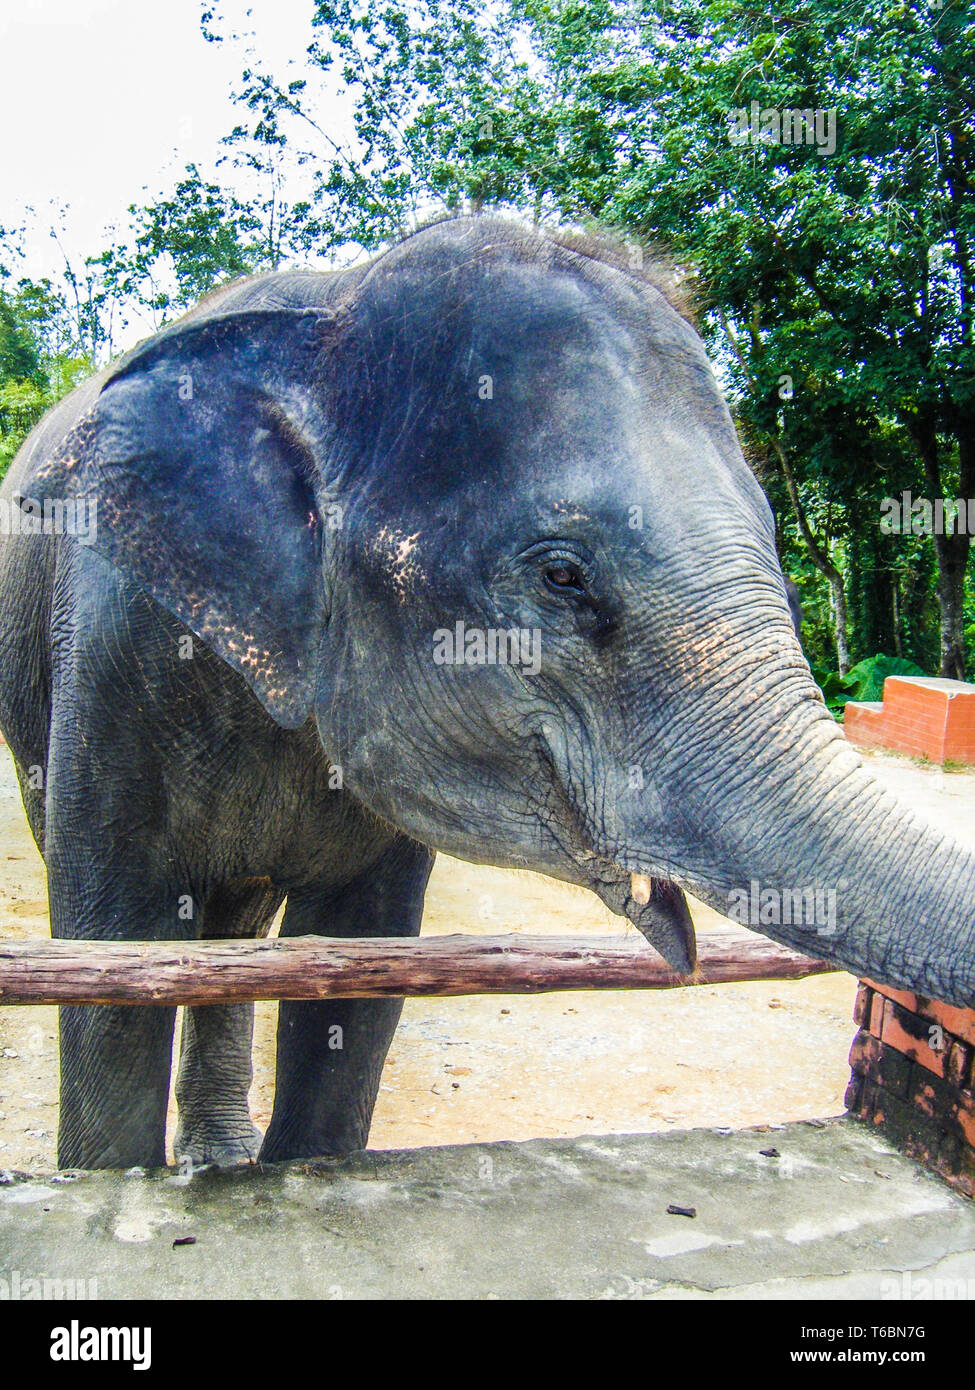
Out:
{"x": 640, "y": 888}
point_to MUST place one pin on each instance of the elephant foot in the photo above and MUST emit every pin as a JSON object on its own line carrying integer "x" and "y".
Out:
{"x": 225, "y": 1149}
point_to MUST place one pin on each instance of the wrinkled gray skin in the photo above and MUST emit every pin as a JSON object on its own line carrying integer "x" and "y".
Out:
{"x": 313, "y": 474}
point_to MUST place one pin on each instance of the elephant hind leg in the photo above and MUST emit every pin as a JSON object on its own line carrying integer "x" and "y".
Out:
{"x": 215, "y": 1068}
{"x": 331, "y": 1053}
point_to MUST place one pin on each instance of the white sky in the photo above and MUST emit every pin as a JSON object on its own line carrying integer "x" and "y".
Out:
{"x": 106, "y": 98}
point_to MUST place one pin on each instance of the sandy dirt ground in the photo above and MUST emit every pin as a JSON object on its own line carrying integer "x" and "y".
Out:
{"x": 489, "y": 1067}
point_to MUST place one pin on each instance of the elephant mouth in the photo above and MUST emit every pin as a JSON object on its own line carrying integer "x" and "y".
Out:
{"x": 657, "y": 908}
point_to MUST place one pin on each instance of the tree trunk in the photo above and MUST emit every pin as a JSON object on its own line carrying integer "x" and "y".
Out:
{"x": 839, "y": 616}
{"x": 951, "y": 551}
{"x": 821, "y": 559}
{"x": 818, "y": 553}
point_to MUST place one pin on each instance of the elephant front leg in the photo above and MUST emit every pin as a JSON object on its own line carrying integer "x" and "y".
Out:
{"x": 116, "y": 1060}
{"x": 115, "y": 1068}
{"x": 331, "y": 1054}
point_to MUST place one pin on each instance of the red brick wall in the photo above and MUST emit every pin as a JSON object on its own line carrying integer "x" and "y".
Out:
{"x": 912, "y": 1076}
{"x": 923, "y": 717}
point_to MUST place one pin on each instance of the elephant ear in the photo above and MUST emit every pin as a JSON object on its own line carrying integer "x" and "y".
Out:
{"x": 200, "y": 457}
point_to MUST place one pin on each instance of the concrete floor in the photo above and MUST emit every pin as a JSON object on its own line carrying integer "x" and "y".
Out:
{"x": 837, "y": 1214}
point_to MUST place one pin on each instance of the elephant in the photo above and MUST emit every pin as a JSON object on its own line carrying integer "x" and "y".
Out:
{"x": 455, "y": 549}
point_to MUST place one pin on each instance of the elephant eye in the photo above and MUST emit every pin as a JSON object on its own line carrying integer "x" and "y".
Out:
{"x": 564, "y": 578}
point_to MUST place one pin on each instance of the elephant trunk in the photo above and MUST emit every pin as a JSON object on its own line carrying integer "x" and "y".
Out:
{"x": 781, "y": 827}
{"x": 850, "y": 874}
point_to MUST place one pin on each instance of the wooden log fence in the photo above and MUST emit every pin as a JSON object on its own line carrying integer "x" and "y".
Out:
{"x": 317, "y": 967}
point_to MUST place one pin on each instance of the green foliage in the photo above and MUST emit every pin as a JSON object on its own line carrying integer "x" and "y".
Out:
{"x": 835, "y": 287}
{"x": 22, "y": 403}
{"x": 42, "y": 355}
{"x": 19, "y": 357}
{"x": 181, "y": 247}
{"x": 865, "y": 681}
{"x": 24, "y": 382}
{"x": 835, "y": 284}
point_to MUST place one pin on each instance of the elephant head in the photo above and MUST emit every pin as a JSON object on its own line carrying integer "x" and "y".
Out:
{"x": 481, "y": 512}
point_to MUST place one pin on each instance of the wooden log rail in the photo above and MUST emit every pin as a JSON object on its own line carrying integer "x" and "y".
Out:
{"x": 316, "y": 967}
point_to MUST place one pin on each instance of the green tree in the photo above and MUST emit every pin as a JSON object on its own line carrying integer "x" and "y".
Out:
{"x": 846, "y": 269}
{"x": 179, "y": 247}
{"x": 41, "y": 356}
